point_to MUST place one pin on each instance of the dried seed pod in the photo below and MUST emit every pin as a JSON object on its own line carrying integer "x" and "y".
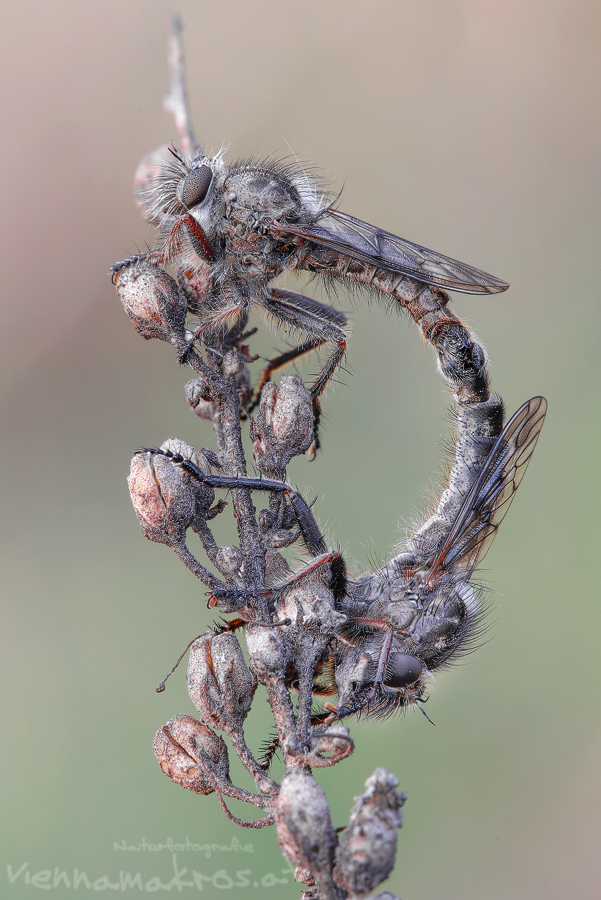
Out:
{"x": 153, "y": 301}
{"x": 229, "y": 560}
{"x": 166, "y": 500}
{"x": 309, "y": 604}
{"x": 283, "y": 427}
{"x": 204, "y": 409}
{"x": 367, "y": 850}
{"x": 305, "y": 876}
{"x": 208, "y": 387}
{"x": 305, "y": 832}
{"x": 219, "y": 681}
{"x": 192, "y": 755}
{"x": 233, "y": 362}
{"x": 269, "y": 651}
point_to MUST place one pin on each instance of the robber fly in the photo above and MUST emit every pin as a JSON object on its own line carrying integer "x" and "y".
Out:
{"x": 229, "y": 230}
{"x": 420, "y": 611}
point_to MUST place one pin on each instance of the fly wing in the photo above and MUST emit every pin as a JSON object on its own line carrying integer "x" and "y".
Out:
{"x": 489, "y": 498}
{"x": 357, "y": 240}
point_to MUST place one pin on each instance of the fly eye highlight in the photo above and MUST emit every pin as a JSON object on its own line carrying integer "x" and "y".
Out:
{"x": 402, "y": 669}
{"x": 195, "y": 186}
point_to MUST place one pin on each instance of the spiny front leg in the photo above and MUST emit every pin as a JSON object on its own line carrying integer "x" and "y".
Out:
{"x": 310, "y": 532}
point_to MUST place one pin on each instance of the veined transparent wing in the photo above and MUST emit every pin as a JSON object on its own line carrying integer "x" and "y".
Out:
{"x": 477, "y": 522}
{"x": 355, "y": 239}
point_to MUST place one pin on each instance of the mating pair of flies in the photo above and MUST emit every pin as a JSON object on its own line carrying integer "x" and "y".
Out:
{"x": 228, "y": 231}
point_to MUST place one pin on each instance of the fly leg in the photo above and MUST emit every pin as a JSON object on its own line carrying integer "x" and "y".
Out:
{"x": 310, "y": 532}
{"x": 332, "y": 558}
{"x": 278, "y": 362}
{"x": 323, "y": 325}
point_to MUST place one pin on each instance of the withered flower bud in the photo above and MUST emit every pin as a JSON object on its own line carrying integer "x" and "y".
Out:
{"x": 153, "y": 302}
{"x": 283, "y": 427}
{"x": 305, "y": 832}
{"x": 219, "y": 681}
{"x": 166, "y": 499}
{"x": 233, "y": 362}
{"x": 310, "y": 604}
{"x": 208, "y": 387}
{"x": 367, "y": 850}
{"x": 229, "y": 560}
{"x": 189, "y": 753}
{"x": 202, "y": 408}
{"x": 305, "y": 876}
{"x": 269, "y": 651}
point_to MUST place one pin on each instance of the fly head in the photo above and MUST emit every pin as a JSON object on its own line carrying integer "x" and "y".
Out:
{"x": 377, "y": 675}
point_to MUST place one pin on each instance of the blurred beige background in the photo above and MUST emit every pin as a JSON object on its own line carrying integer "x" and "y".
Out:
{"x": 471, "y": 126}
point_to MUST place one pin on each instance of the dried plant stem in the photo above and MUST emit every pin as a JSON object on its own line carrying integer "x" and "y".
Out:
{"x": 374, "y": 640}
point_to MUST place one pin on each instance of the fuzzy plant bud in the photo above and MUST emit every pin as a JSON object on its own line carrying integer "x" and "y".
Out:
{"x": 305, "y": 832}
{"x": 219, "y": 681}
{"x": 310, "y": 605}
{"x": 167, "y": 500}
{"x": 269, "y": 651}
{"x": 230, "y": 560}
{"x": 283, "y": 427}
{"x": 367, "y": 850}
{"x": 153, "y": 302}
{"x": 204, "y": 409}
{"x": 305, "y": 876}
{"x": 192, "y": 755}
{"x": 233, "y": 362}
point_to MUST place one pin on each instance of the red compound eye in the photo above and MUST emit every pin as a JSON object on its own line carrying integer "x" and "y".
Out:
{"x": 195, "y": 186}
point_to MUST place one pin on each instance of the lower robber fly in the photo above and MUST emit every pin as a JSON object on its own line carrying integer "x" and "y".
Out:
{"x": 419, "y": 611}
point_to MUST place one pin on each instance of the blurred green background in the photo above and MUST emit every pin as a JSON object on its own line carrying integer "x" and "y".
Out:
{"x": 471, "y": 126}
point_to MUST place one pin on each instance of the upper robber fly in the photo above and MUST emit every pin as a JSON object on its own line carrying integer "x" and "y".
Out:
{"x": 229, "y": 230}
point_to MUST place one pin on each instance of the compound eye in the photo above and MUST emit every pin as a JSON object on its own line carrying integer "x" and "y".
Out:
{"x": 401, "y": 670}
{"x": 195, "y": 186}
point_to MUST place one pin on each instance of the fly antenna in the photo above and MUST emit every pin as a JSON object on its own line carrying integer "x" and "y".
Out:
{"x": 422, "y": 710}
